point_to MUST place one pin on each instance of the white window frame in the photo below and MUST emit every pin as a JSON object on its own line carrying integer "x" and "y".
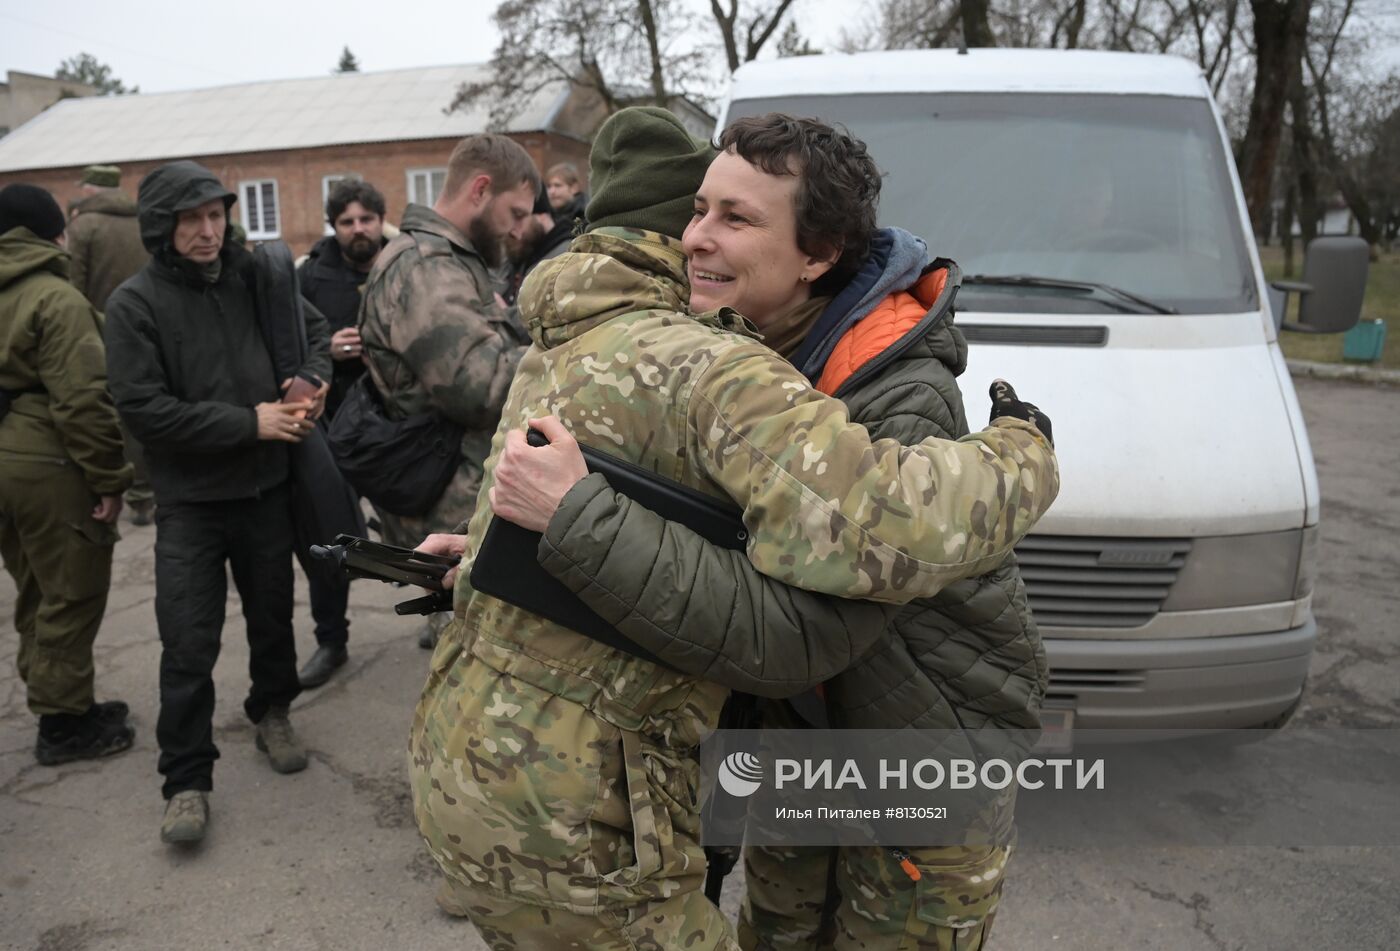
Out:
{"x": 427, "y": 173}
{"x": 246, "y": 209}
{"x": 327, "y": 181}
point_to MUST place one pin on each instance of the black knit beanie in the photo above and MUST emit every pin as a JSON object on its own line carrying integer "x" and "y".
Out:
{"x": 644, "y": 171}
{"x": 542, "y": 205}
{"x": 29, "y": 206}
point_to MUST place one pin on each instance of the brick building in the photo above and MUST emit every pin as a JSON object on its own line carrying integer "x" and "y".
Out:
{"x": 280, "y": 145}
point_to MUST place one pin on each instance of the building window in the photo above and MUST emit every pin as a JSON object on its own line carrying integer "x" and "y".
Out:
{"x": 259, "y": 202}
{"x": 425, "y": 185}
{"x": 327, "y": 183}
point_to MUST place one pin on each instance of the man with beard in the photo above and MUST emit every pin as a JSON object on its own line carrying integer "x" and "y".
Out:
{"x": 435, "y": 339}
{"x": 333, "y": 275}
{"x": 545, "y": 237}
{"x": 332, "y": 278}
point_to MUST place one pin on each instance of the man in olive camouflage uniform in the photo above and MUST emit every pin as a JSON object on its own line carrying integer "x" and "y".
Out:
{"x": 434, "y": 336}
{"x": 555, "y": 779}
{"x": 61, "y": 479}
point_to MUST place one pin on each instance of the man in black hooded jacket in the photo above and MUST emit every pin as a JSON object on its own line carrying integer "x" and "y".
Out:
{"x": 194, "y": 381}
{"x": 332, "y": 279}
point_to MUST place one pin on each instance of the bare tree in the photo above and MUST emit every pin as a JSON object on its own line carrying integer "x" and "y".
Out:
{"x": 755, "y": 29}
{"x": 791, "y": 42}
{"x": 1280, "y": 34}
{"x": 1214, "y": 26}
{"x": 1357, "y": 119}
{"x": 976, "y": 27}
{"x": 614, "y": 49}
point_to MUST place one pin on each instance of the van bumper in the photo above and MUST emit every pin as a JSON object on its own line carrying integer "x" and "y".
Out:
{"x": 1208, "y": 683}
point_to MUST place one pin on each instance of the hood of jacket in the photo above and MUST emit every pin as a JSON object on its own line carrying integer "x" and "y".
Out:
{"x": 604, "y": 274}
{"x": 107, "y": 203}
{"x": 896, "y": 287}
{"x": 22, "y": 253}
{"x": 173, "y": 188}
{"x": 896, "y": 260}
{"x": 326, "y": 252}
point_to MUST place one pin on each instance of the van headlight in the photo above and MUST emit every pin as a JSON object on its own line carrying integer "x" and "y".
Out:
{"x": 1307, "y": 563}
{"x": 1227, "y": 571}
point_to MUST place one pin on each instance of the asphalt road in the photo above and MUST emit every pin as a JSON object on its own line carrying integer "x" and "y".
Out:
{"x": 329, "y": 858}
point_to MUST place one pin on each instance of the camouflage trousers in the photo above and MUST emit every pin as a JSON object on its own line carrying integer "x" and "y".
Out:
{"x": 826, "y": 898}
{"x": 61, "y": 561}
{"x": 687, "y": 921}
{"x": 554, "y": 827}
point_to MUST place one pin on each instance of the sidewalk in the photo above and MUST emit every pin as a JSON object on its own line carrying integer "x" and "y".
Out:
{"x": 326, "y": 858}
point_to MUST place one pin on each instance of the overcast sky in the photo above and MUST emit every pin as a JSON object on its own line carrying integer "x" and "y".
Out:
{"x": 179, "y": 44}
{"x": 183, "y": 45}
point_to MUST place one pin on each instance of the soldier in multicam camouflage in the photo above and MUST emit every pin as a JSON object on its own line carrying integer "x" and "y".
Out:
{"x": 434, "y": 336}
{"x": 950, "y": 907}
{"x": 555, "y": 779}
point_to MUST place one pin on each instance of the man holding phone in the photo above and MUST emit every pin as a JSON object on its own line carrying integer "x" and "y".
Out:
{"x": 194, "y": 382}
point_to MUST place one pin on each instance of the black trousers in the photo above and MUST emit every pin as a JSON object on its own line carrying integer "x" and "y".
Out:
{"x": 193, "y": 542}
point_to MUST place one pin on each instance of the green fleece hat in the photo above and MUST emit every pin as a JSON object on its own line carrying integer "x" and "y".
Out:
{"x": 103, "y": 176}
{"x": 644, "y": 171}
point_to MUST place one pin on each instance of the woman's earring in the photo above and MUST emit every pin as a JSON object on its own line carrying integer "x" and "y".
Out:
{"x": 805, "y": 279}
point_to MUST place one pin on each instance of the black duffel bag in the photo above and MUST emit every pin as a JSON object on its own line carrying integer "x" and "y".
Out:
{"x": 401, "y": 465}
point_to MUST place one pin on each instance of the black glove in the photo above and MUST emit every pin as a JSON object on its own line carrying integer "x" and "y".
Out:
{"x": 1006, "y": 403}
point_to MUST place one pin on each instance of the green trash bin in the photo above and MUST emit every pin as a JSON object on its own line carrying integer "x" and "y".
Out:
{"x": 1364, "y": 342}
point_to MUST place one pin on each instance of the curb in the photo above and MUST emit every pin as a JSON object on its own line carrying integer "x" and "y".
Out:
{"x": 1350, "y": 372}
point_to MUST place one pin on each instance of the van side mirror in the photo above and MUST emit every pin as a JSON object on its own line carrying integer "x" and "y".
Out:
{"x": 1333, "y": 285}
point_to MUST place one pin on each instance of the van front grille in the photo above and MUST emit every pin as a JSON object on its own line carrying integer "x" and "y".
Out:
{"x": 1065, "y": 681}
{"x": 1084, "y": 581}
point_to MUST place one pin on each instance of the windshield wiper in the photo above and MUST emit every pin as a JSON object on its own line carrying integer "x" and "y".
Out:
{"x": 1139, "y": 304}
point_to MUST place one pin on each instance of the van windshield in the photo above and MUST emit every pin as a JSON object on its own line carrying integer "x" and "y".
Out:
{"x": 1130, "y": 192}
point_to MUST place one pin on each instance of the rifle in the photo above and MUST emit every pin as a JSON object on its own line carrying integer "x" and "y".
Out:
{"x": 362, "y": 558}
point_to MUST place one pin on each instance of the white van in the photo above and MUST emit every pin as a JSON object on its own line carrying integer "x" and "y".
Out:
{"x": 1110, "y": 274}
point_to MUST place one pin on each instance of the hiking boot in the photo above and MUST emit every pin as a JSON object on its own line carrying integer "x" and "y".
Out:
{"x": 186, "y": 817}
{"x": 112, "y": 711}
{"x": 432, "y": 629}
{"x": 323, "y": 663}
{"x": 65, "y": 737}
{"x": 141, "y": 512}
{"x": 279, "y": 741}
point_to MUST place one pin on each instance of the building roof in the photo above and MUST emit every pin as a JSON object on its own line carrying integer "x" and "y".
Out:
{"x": 979, "y": 70}
{"x": 339, "y": 109}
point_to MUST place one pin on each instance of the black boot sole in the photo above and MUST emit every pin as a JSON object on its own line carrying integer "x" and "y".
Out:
{"x": 107, "y": 746}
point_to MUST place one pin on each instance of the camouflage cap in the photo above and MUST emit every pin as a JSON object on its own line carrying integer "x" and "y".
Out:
{"x": 644, "y": 171}
{"x": 103, "y": 176}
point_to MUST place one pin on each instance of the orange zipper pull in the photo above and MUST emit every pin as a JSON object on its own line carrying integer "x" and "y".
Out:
{"x": 907, "y": 864}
